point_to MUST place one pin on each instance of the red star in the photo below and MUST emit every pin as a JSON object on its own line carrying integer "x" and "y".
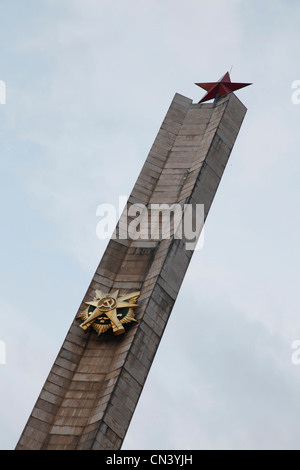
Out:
{"x": 221, "y": 88}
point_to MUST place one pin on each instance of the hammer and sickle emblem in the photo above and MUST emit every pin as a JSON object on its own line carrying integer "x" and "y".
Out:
{"x": 108, "y": 303}
{"x": 102, "y": 313}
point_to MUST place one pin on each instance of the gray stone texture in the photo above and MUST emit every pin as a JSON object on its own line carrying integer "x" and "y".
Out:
{"x": 92, "y": 390}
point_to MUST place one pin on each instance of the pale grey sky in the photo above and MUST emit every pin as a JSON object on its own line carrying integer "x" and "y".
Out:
{"x": 88, "y": 85}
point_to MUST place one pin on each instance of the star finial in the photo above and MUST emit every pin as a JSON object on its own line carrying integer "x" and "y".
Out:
{"x": 221, "y": 88}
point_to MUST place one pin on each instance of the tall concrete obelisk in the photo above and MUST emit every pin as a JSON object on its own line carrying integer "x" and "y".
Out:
{"x": 90, "y": 395}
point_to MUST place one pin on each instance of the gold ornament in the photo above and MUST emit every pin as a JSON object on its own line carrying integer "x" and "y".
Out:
{"x": 107, "y": 311}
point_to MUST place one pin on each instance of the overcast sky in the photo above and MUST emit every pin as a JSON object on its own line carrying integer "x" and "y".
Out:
{"x": 88, "y": 83}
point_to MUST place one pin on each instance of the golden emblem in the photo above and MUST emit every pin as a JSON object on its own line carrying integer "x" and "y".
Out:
{"x": 107, "y": 311}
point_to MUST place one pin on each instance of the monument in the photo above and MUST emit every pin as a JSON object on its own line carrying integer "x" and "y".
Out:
{"x": 90, "y": 395}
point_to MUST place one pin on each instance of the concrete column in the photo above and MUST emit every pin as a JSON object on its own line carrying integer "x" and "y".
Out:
{"x": 92, "y": 390}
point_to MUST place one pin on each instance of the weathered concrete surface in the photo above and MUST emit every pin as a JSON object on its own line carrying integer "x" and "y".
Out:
{"x": 90, "y": 395}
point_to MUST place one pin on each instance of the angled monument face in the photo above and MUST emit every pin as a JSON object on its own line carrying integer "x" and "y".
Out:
{"x": 92, "y": 390}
